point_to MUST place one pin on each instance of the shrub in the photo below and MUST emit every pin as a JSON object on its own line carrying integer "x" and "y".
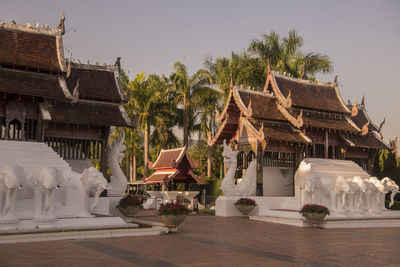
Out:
{"x": 314, "y": 208}
{"x": 245, "y": 202}
{"x": 130, "y": 201}
{"x": 172, "y": 208}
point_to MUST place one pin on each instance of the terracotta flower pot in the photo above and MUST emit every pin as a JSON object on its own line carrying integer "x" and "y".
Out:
{"x": 129, "y": 211}
{"x": 314, "y": 217}
{"x": 245, "y": 209}
{"x": 172, "y": 220}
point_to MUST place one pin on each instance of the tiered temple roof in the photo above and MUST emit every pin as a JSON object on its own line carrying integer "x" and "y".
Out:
{"x": 173, "y": 164}
{"x": 99, "y": 83}
{"x": 31, "y": 48}
{"x": 288, "y": 109}
{"x": 32, "y": 63}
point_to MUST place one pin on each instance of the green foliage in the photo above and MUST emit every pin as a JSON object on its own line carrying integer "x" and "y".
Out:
{"x": 396, "y": 205}
{"x": 188, "y": 91}
{"x": 245, "y": 70}
{"x": 285, "y": 55}
{"x": 198, "y": 153}
{"x": 387, "y": 164}
{"x": 206, "y": 212}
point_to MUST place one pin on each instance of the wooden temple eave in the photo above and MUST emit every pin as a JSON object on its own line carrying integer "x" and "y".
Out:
{"x": 370, "y": 141}
{"x": 161, "y": 155}
{"x": 362, "y": 117}
{"x": 66, "y": 112}
{"x": 60, "y": 53}
{"x": 297, "y": 122}
{"x": 220, "y": 116}
{"x": 286, "y": 102}
{"x": 32, "y": 83}
{"x": 339, "y": 96}
{"x": 108, "y": 75}
{"x": 258, "y": 134}
{"x": 181, "y": 156}
{"x": 357, "y": 129}
{"x": 64, "y": 87}
{"x": 325, "y": 120}
{"x": 225, "y": 131}
{"x": 246, "y": 111}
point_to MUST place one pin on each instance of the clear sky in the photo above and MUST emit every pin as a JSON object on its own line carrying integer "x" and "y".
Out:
{"x": 362, "y": 38}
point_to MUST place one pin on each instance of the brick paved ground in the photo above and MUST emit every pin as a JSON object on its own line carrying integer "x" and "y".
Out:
{"x": 217, "y": 241}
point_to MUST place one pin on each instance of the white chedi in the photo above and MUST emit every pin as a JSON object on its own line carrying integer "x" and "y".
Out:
{"x": 247, "y": 187}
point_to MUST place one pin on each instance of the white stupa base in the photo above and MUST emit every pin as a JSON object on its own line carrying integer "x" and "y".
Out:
{"x": 33, "y": 226}
{"x": 8, "y": 223}
{"x": 388, "y": 218}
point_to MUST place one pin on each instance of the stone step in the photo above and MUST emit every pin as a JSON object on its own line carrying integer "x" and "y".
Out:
{"x": 30, "y": 155}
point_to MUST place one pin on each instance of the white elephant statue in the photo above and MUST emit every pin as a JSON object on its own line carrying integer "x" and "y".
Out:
{"x": 45, "y": 181}
{"x": 390, "y": 186}
{"x": 309, "y": 189}
{"x": 79, "y": 188}
{"x": 9, "y": 183}
{"x": 357, "y": 189}
{"x": 373, "y": 194}
{"x": 339, "y": 190}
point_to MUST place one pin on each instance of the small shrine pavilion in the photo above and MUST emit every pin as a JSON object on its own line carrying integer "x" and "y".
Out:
{"x": 292, "y": 119}
{"x": 45, "y": 97}
{"x": 174, "y": 166}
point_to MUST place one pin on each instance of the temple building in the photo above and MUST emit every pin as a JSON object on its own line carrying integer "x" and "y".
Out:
{"x": 292, "y": 119}
{"x": 47, "y": 98}
{"x": 173, "y": 167}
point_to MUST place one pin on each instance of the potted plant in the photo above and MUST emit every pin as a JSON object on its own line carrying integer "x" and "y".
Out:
{"x": 130, "y": 205}
{"x": 245, "y": 205}
{"x": 172, "y": 214}
{"x": 314, "y": 213}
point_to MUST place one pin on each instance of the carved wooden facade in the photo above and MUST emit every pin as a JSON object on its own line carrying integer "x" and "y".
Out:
{"x": 293, "y": 119}
{"x": 46, "y": 98}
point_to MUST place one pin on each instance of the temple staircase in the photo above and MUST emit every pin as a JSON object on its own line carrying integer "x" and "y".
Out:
{"x": 30, "y": 155}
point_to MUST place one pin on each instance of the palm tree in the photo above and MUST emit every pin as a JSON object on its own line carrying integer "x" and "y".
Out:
{"x": 163, "y": 120}
{"x": 146, "y": 97}
{"x": 285, "y": 55}
{"x": 245, "y": 70}
{"x": 187, "y": 91}
{"x": 207, "y": 124}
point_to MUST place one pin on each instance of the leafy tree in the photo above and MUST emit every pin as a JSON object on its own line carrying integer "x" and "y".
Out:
{"x": 285, "y": 55}
{"x": 188, "y": 90}
{"x": 146, "y": 95}
{"x": 245, "y": 70}
{"x": 199, "y": 153}
{"x": 387, "y": 164}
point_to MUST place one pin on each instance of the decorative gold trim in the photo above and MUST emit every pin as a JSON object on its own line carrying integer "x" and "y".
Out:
{"x": 364, "y": 129}
{"x": 354, "y": 110}
{"x": 352, "y": 124}
{"x": 46, "y": 30}
{"x": 218, "y": 116}
{"x": 278, "y": 93}
{"x": 221, "y": 128}
{"x": 259, "y": 134}
{"x": 247, "y": 111}
{"x": 60, "y": 53}
{"x": 339, "y": 96}
{"x": 298, "y": 123}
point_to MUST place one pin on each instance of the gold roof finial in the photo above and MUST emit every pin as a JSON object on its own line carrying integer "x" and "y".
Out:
{"x": 61, "y": 25}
